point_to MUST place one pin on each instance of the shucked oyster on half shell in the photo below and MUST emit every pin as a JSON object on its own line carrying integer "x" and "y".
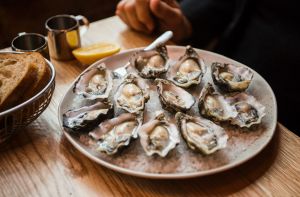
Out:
{"x": 214, "y": 105}
{"x": 151, "y": 64}
{"x": 95, "y": 83}
{"x": 231, "y": 77}
{"x": 201, "y": 134}
{"x": 132, "y": 94}
{"x": 249, "y": 110}
{"x": 189, "y": 69}
{"x": 173, "y": 97}
{"x": 158, "y": 136}
{"x": 115, "y": 133}
{"x": 238, "y": 109}
{"x": 88, "y": 117}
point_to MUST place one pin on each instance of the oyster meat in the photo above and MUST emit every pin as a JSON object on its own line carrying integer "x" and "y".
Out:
{"x": 95, "y": 83}
{"x": 115, "y": 133}
{"x": 231, "y": 77}
{"x": 214, "y": 105}
{"x": 201, "y": 134}
{"x": 151, "y": 64}
{"x": 249, "y": 110}
{"x": 189, "y": 69}
{"x": 173, "y": 97}
{"x": 88, "y": 117}
{"x": 158, "y": 136}
{"x": 132, "y": 94}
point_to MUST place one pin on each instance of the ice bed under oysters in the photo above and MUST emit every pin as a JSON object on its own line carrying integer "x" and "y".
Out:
{"x": 168, "y": 114}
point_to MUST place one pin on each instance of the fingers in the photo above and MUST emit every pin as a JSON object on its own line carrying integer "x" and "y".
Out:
{"x": 172, "y": 3}
{"x": 143, "y": 14}
{"x": 164, "y": 11}
{"x": 120, "y": 12}
{"x": 131, "y": 15}
{"x": 170, "y": 17}
{"x": 136, "y": 14}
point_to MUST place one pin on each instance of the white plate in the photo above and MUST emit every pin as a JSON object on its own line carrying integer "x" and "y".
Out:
{"x": 181, "y": 162}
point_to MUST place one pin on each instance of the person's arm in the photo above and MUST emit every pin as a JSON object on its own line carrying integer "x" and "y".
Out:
{"x": 209, "y": 18}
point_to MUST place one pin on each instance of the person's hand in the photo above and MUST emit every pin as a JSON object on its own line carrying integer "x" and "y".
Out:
{"x": 136, "y": 14}
{"x": 146, "y": 15}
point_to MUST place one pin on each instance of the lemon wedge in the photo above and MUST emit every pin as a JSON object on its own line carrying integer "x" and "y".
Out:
{"x": 92, "y": 53}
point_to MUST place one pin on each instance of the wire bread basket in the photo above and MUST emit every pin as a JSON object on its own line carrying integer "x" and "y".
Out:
{"x": 23, "y": 114}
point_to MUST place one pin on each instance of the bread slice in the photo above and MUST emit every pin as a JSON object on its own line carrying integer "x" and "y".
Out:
{"x": 16, "y": 77}
{"x": 43, "y": 73}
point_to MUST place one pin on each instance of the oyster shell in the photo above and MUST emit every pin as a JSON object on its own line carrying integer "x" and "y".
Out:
{"x": 201, "y": 134}
{"x": 173, "y": 97}
{"x": 116, "y": 133}
{"x": 214, "y": 105}
{"x": 189, "y": 69}
{"x": 231, "y": 77}
{"x": 249, "y": 110}
{"x": 132, "y": 94}
{"x": 88, "y": 117}
{"x": 151, "y": 64}
{"x": 158, "y": 136}
{"x": 95, "y": 83}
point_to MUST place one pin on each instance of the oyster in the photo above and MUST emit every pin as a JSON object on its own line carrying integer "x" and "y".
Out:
{"x": 231, "y": 77}
{"x": 151, "y": 64}
{"x": 239, "y": 109}
{"x": 116, "y": 133}
{"x": 214, "y": 105}
{"x": 95, "y": 83}
{"x": 189, "y": 69}
{"x": 132, "y": 94}
{"x": 88, "y": 117}
{"x": 158, "y": 136}
{"x": 173, "y": 97}
{"x": 201, "y": 134}
{"x": 249, "y": 110}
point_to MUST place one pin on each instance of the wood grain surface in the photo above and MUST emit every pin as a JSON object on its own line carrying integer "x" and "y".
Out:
{"x": 39, "y": 161}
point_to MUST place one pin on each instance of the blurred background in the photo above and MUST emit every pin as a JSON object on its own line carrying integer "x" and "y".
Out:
{"x": 29, "y": 16}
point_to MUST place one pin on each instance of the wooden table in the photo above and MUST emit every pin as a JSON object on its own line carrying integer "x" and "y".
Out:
{"x": 39, "y": 161}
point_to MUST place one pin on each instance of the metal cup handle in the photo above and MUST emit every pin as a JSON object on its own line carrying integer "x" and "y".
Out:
{"x": 84, "y": 24}
{"x": 21, "y": 33}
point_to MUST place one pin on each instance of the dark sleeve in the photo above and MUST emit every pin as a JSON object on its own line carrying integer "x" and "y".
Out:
{"x": 209, "y": 18}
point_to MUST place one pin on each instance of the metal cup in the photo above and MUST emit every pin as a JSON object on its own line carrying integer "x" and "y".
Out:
{"x": 30, "y": 42}
{"x": 64, "y": 33}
